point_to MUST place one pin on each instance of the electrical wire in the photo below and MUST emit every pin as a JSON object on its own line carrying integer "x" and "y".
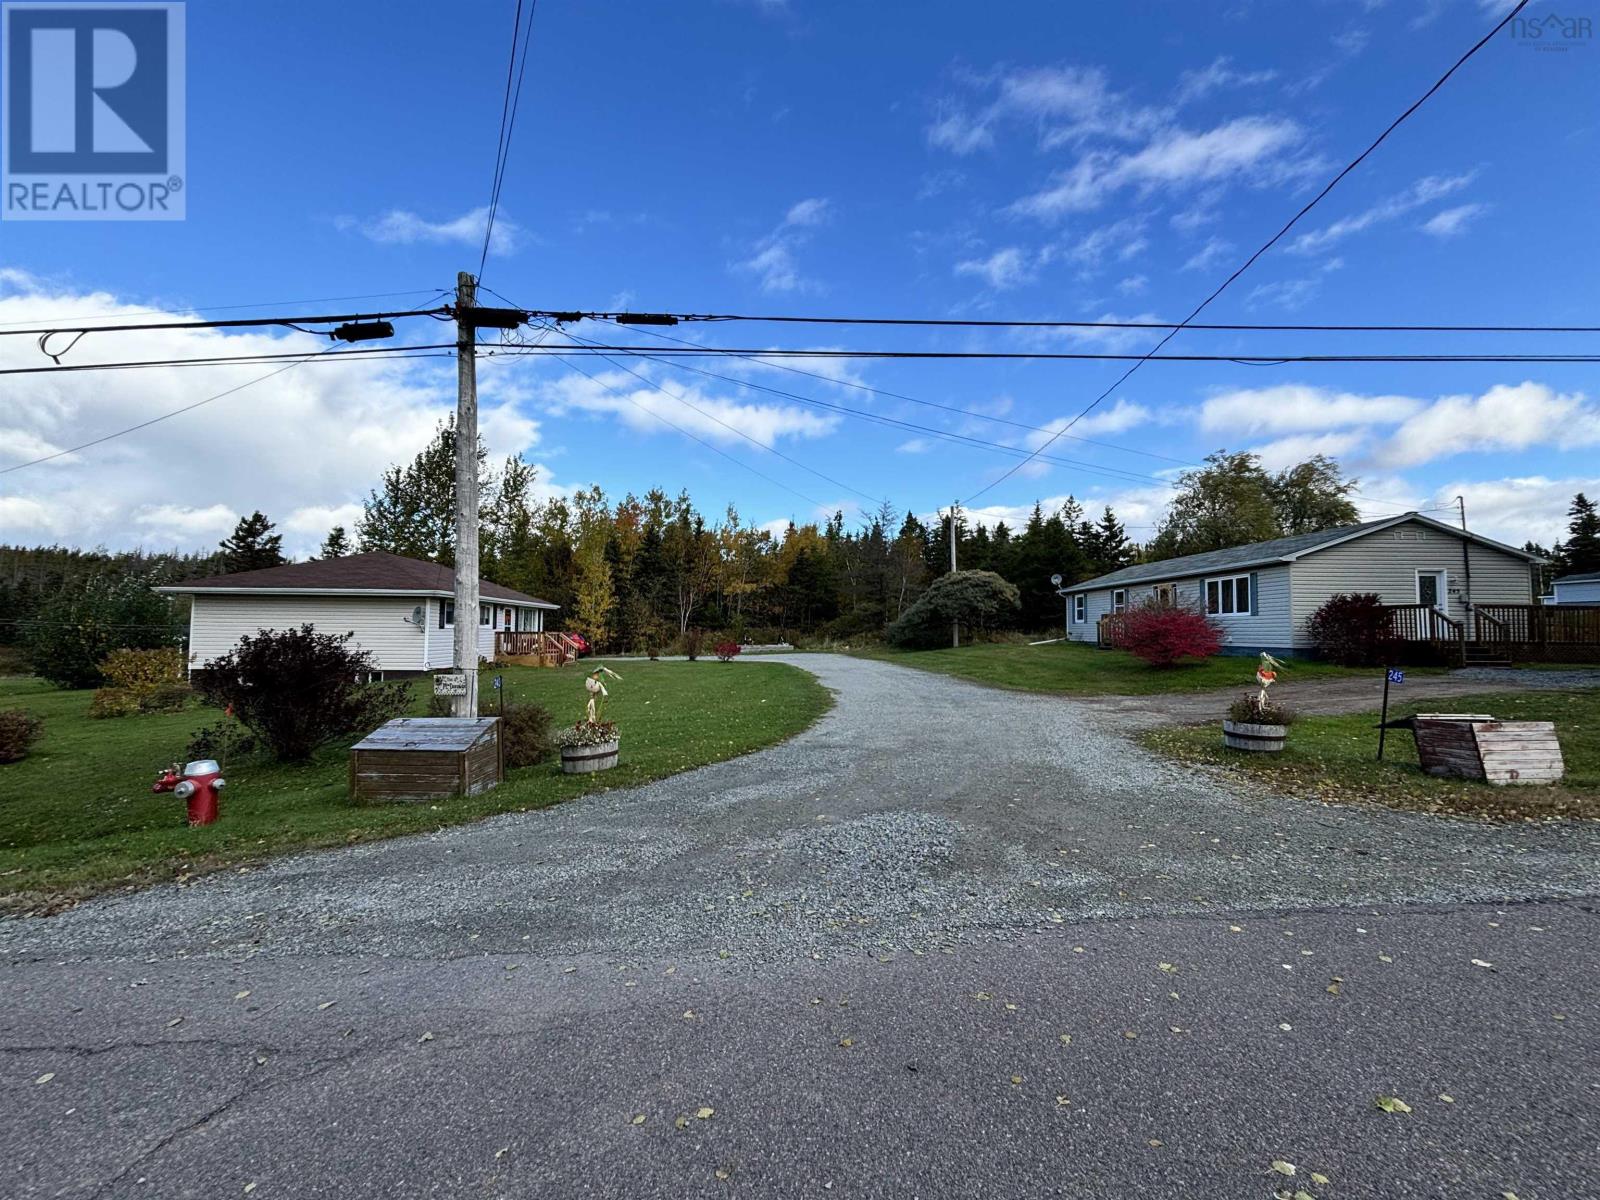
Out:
{"x": 1268, "y": 244}
{"x": 153, "y": 420}
{"x": 426, "y": 350}
{"x": 293, "y": 322}
{"x": 63, "y": 321}
{"x": 508, "y": 124}
{"x": 965, "y": 323}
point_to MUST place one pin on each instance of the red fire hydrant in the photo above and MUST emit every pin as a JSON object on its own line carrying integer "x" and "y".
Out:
{"x": 198, "y": 784}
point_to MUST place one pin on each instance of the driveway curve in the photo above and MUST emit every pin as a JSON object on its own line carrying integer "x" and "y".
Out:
{"x": 921, "y": 812}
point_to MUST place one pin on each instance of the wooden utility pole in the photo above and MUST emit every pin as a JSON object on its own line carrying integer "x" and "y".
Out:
{"x": 955, "y": 625}
{"x": 466, "y": 589}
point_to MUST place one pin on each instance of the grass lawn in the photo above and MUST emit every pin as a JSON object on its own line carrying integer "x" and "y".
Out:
{"x": 77, "y": 816}
{"x": 1073, "y": 669}
{"x": 1334, "y": 759}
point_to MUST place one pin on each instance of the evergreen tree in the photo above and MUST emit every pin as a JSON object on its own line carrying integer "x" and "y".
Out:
{"x": 252, "y": 545}
{"x": 412, "y": 511}
{"x": 336, "y": 544}
{"x": 1580, "y": 553}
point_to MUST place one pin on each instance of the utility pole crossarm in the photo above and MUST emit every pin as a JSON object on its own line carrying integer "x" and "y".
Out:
{"x": 466, "y": 580}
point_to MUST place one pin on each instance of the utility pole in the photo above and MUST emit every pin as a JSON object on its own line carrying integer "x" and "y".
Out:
{"x": 1466, "y": 575}
{"x": 955, "y": 625}
{"x": 466, "y": 589}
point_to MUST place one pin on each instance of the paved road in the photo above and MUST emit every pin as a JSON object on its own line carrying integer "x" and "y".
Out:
{"x": 713, "y": 940}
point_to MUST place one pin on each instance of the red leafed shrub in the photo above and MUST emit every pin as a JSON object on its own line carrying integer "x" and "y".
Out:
{"x": 727, "y": 651}
{"x": 1162, "y": 634}
{"x": 1352, "y": 629}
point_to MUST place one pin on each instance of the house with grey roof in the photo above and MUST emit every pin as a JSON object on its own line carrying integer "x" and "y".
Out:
{"x": 1576, "y": 589}
{"x": 1438, "y": 580}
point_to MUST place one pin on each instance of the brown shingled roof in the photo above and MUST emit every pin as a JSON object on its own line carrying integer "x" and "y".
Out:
{"x": 375, "y": 572}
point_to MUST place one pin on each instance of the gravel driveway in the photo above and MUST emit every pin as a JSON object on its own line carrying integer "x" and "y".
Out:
{"x": 874, "y": 961}
{"x": 922, "y": 811}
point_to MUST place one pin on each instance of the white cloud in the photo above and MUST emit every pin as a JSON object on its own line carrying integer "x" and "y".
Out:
{"x": 1506, "y": 417}
{"x": 1061, "y": 104}
{"x": 1288, "y": 451}
{"x": 1208, "y": 255}
{"x": 773, "y": 258}
{"x": 1133, "y": 285}
{"x": 1452, "y": 222}
{"x": 915, "y": 446}
{"x": 650, "y": 409}
{"x": 1298, "y": 408}
{"x": 1193, "y": 85}
{"x": 1424, "y": 191}
{"x": 1118, "y": 418}
{"x": 1519, "y": 509}
{"x": 404, "y": 228}
{"x": 1287, "y": 294}
{"x": 320, "y": 434}
{"x": 1122, "y": 239}
{"x": 1251, "y": 148}
{"x": 1004, "y": 269}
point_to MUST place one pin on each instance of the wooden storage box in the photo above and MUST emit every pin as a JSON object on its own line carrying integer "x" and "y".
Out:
{"x": 427, "y": 758}
{"x": 1476, "y": 746}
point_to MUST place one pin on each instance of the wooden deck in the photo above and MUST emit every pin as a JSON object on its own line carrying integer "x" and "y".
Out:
{"x": 527, "y": 648}
{"x": 1496, "y": 634}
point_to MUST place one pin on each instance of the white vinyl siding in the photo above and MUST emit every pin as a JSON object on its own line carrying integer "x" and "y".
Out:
{"x": 1267, "y": 627}
{"x": 1386, "y": 562}
{"x": 380, "y": 624}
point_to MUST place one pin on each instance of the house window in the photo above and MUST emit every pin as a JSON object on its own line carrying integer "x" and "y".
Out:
{"x": 1228, "y": 597}
{"x": 1166, "y": 594}
{"x": 447, "y": 613}
{"x": 484, "y": 614}
{"x": 1119, "y": 600}
{"x": 1080, "y": 609}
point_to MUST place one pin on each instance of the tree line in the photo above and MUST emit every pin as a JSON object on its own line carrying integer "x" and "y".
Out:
{"x": 641, "y": 570}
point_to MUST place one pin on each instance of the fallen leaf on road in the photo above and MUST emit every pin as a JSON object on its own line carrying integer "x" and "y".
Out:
{"x": 1478, "y": 962}
{"x": 175, "y": 1021}
{"x": 1302, "y": 1194}
{"x": 241, "y": 995}
{"x": 1129, "y": 1034}
{"x": 1062, "y": 1102}
{"x": 1157, "y": 1142}
{"x": 705, "y": 1113}
{"x": 261, "y": 1060}
{"x": 638, "y": 1119}
{"x": 682, "y": 1122}
{"x": 426, "y": 1037}
{"x": 504, "y": 1150}
{"x": 1167, "y": 967}
{"x": 1017, "y": 1080}
{"x": 688, "y": 1014}
{"x": 723, "y": 1173}
{"x": 1318, "y": 1178}
{"x": 1333, "y": 989}
{"x": 980, "y": 996}
{"x": 326, "y": 1004}
{"x": 1285, "y": 1026}
{"x": 1281, "y": 1167}
{"x": 847, "y": 1042}
{"x": 46, "y": 1077}
{"x": 1384, "y": 958}
{"x": 1447, "y": 1098}
{"x": 1393, "y": 1104}
{"x": 249, "y": 1187}
{"x": 1066, "y": 1039}
{"x": 568, "y": 970}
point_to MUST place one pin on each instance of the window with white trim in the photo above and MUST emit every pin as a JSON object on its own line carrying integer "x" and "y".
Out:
{"x": 447, "y": 613}
{"x": 1080, "y": 609}
{"x": 1228, "y": 597}
{"x": 1119, "y": 600}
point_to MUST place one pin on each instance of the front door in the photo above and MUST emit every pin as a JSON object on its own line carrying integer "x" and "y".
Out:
{"x": 1431, "y": 592}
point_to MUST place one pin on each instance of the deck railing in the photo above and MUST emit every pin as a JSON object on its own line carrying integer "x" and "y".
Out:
{"x": 1547, "y": 624}
{"x": 551, "y": 648}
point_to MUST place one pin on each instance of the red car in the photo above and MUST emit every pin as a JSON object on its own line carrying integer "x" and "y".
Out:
{"x": 581, "y": 642}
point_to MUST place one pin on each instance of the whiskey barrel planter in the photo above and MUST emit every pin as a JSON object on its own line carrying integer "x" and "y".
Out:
{"x": 581, "y": 760}
{"x": 1259, "y": 739}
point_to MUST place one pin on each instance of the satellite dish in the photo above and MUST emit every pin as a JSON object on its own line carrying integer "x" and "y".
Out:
{"x": 1055, "y": 581}
{"x": 416, "y": 616}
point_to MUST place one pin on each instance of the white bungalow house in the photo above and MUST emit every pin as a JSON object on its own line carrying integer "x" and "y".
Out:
{"x": 1445, "y": 586}
{"x": 401, "y": 610}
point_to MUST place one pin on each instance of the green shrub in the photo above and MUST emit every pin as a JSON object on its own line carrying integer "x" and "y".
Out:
{"x": 980, "y": 601}
{"x": 525, "y": 733}
{"x": 113, "y": 702}
{"x": 298, "y": 689}
{"x": 221, "y": 741}
{"x": 73, "y": 632}
{"x": 441, "y": 706}
{"x": 1249, "y": 710}
{"x": 141, "y": 681}
{"x": 19, "y": 730}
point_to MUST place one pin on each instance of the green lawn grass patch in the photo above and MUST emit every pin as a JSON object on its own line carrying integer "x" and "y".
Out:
{"x": 77, "y": 816}
{"x": 1335, "y": 759}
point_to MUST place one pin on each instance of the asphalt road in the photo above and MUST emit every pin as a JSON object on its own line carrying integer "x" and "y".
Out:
{"x": 860, "y": 951}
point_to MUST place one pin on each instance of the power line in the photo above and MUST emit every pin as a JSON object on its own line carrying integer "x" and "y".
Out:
{"x": 965, "y": 323}
{"x": 508, "y": 125}
{"x": 63, "y": 321}
{"x": 293, "y": 322}
{"x": 426, "y": 350}
{"x": 1270, "y": 242}
{"x": 153, "y": 420}
{"x": 952, "y": 408}
{"x": 1249, "y": 360}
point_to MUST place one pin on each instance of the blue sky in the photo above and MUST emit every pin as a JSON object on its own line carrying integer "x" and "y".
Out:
{"x": 1030, "y": 161}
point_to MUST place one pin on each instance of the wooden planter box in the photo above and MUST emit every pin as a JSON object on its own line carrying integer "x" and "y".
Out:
{"x": 581, "y": 760}
{"x": 427, "y": 758}
{"x": 1260, "y": 739}
{"x": 1476, "y": 746}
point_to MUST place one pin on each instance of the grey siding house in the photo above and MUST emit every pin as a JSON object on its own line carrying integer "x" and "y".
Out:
{"x": 1576, "y": 589}
{"x": 1261, "y": 594}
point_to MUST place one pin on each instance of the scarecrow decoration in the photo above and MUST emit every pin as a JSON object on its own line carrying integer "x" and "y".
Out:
{"x": 597, "y": 692}
{"x": 1266, "y": 676}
